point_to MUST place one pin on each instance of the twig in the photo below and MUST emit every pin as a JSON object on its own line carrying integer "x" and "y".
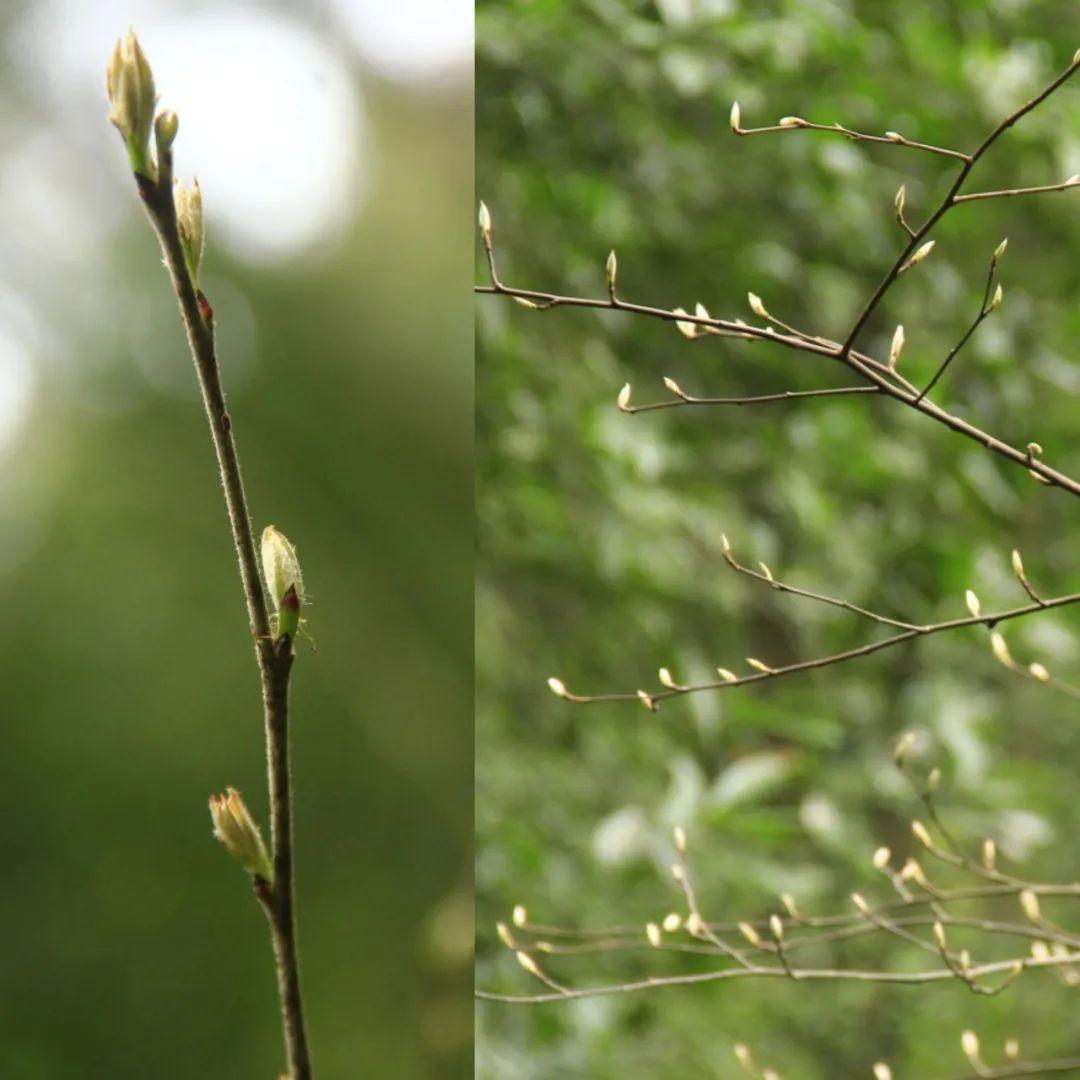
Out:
{"x": 892, "y": 138}
{"x": 274, "y": 656}
{"x": 825, "y": 661}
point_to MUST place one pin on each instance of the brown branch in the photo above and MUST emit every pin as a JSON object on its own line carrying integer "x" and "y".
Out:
{"x": 824, "y": 661}
{"x": 875, "y": 372}
{"x": 1067, "y": 185}
{"x": 758, "y": 399}
{"x": 948, "y": 202}
{"x": 274, "y": 657}
{"x": 781, "y": 586}
{"x": 892, "y": 138}
{"x": 985, "y": 309}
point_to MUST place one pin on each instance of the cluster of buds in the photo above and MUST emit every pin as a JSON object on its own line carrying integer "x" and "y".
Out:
{"x": 129, "y": 84}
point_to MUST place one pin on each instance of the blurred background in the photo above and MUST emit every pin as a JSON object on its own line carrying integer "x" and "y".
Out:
{"x": 602, "y": 125}
{"x": 333, "y": 143}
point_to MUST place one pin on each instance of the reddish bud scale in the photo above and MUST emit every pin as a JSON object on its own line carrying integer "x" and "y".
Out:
{"x": 289, "y": 613}
{"x": 205, "y": 310}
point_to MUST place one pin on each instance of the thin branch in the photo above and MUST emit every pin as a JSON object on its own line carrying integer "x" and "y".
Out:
{"x": 759, "y": 399}
{"x": 901, "y": 978}
{"x": 867, "y": 367}
{"x": 781, "y": 586}
{"x": 1067, "y": 185}
{"x": 947, "y": 202}
{"x": 274, "y": 657}
{"x": 825, "y": 661}
{"x": 891, "y": 138}
{"x": 985, "y": 308}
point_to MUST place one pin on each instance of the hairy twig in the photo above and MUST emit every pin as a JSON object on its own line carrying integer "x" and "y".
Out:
{"x": 274, "y": 653}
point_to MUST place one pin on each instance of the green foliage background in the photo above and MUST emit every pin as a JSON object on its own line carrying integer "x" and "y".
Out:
{"x": 132, "y": 946}
{"x": 603, "y": 124}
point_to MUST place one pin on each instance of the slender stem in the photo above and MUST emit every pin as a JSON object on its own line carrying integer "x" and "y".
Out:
{"x": 892, "y": 139}
{"x": 274, "y": 657}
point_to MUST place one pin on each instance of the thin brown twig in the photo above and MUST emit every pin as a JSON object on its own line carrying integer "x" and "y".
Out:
{"x": 826, "y": 661}
{"x": 1066, "y": 185}
{"x": 892, "y": 138}
{"x": 274, "y": 657}
{"x": 758, "y": 399}
{"x": 782, "y": 586}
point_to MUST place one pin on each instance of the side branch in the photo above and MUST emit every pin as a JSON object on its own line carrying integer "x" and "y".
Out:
{"x": 765, "y": 673}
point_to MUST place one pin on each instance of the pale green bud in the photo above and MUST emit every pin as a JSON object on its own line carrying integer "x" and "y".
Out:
{"x": 165, "y": 128}
{"x": 239, "y": 834}
{"x": 284, "y": 582}
{"x": 129, "y": 83}
{"x": 189, "y": 220}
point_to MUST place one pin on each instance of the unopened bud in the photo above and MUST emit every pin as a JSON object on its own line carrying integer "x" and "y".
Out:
{"x": 679, "y": 836}
{"x": 674, "y": 387}
{"x": 166, "y": 125}
{"x": 666, "y": 679}
{"x": 743, "y": 1056}
{"x": 969, "y": 1043}
{"x": 989, "y": 854}
{"x": 520, "y": 915}
{"x": 557, "y": 687}
{"x": 791, "y": 121}
{"x": 694, "y": 925}
{"x": 646, "y": 699}
{"x": 903, "y": 747}
{"x": 239, "y": 834}
{"x": 996, "y": 299}
{"x": 727, "y": 676}
{"x": 686, "y": 328}
{"x": 790, "y": 906}
{"x": 898, "y": 202}
{"x": 525, "y": 303}
{"x": 652, "y": 932}
{"x": 933, "y": 780}
{"x": 766, "y": 572}
{"x": 1018, "y": 565}
{"x": 281, "y": 571}
{"x": 1012, "y": 1049}
{"x": 129, "y": 83}
{"x": 757, "y": 665}
{"x": 1000, "y": 649}
{"x": 756, "y": 306}
{"x": 624, "y": 397}
{"x": 1029, "y": 904}
{"x": 505, "y": 936}
{"x": 897, "y": 346}
{"x": 882, "y": 1071}
{"x": 750, "y": 933}
{"x": 672, "y": 922}
{"x": 973, "y": 604}
{"x": 611, "y": 269}
{"x": 735, "y": 116}
{"x": 678, "y": 873}
{"x": 860, "y": 902}
{"x": 1039, "y": 672}
{"x": 881, "y": 858}
{"x": 918, "y": 256}
{"x": 189, "y": 221}
{"x": 1000, "y": 249}
{"x": 894, "y": 136}
{"x": 776, "y": 926}
{"x": 483, "y": 219}
{"x": 939, "y": 936}
{"x": 922, "y": 834}
{"x": 528, "y": 963}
